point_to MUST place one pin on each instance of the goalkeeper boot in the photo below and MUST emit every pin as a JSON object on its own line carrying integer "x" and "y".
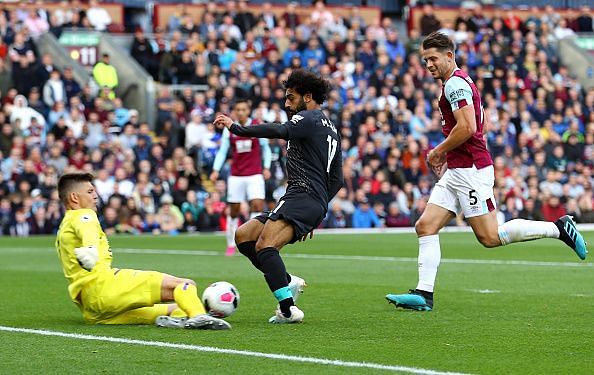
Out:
{"x": 416, "y": 299}
{"x": 205, "y": 321}
{"x": 296, "y": 285}
{"x": 170, "y": 322}
{"x": 569, "y": 234}
{"x": 280, "y": 318}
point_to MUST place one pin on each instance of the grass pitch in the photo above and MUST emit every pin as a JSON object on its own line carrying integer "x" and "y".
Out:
{"x": 525, "y": 309}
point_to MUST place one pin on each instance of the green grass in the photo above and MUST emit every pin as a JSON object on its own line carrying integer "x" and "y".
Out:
{"x": 539, "y": 322}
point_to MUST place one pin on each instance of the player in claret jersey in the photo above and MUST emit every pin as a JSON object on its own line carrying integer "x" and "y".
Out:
{"x": 466, "y": 179}
{"x": 314, "y": 170}
{"x": 251, "y": 158}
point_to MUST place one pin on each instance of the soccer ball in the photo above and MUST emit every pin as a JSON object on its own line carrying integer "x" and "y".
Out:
{"x": 220, "y": 299}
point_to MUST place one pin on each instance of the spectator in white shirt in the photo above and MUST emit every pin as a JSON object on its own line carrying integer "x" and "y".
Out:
{"x": 97, "y": 16}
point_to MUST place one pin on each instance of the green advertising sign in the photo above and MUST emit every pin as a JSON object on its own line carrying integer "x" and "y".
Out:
{"x": 79, "y": 39}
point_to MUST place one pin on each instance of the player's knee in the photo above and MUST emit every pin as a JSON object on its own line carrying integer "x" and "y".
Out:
{"x": 488, "y": 241}
{"x": 424, "y": 228}
{"x": 242, "y": 234}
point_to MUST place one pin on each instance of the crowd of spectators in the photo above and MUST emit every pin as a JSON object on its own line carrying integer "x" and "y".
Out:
{"x": 539, "y": 120}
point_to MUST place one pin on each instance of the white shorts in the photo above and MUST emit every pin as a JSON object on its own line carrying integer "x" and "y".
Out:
{"x": 466, "y": 190}
{"x": 245, "y": 188}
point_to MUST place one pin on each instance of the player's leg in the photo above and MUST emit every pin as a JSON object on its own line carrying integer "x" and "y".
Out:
{"x": 490, "y": 234}
{"x": 256, "y": 192}
{"x": 185, "y": 295}
{"x": 236, "y": 193}
{"x": 441, "y": 209}
{"x": 232, "y": 222}
{"x": 246, "y": 236}
{"x": 275, "y": 235}
{"x": 256, "y": 207}
{"x": 142, "y": 315}
{"x": 478, "y": 204}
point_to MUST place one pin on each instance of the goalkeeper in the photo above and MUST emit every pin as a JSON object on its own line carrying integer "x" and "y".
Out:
{"x": 107, "y": 295}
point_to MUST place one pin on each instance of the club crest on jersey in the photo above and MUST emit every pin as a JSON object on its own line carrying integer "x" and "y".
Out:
{"x": 296, "y": 118}
{"x": 85, "y": 218}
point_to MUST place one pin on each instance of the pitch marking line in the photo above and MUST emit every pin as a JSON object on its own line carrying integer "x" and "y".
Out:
{"x": 336, "y": 257}
{"x": 210, "y": 349}
{"x": 363, "y": 257}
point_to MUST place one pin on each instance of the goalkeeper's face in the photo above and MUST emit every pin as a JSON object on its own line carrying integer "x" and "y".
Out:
{"x": 85, "y": 196}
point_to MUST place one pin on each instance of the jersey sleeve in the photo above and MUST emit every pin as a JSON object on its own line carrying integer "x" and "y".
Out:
{"x": 222, "y": 152}
{"x": 458, "y": 93}
{"x": 300, "y": 125}
{"x": 87, "y": 228}
{"x": 266, "y": 153}
{"x": 335, "y": 177}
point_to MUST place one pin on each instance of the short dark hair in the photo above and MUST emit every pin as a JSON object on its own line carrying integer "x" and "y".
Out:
{"x": 241, "y": 100}
{"x": 68, "y": 182}
{"x": 439, "y": 41}
{"x": 305, "y": 81}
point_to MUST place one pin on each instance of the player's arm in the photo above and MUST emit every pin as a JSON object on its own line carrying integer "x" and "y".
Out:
{"x": 335, "y": 178}
{"x": 87, "y": 230}
{"x": 296, "y": 127}
{"x": 266, "y": 153}
{"x": 459, "y": 95}
{"x": 221, "y": 155}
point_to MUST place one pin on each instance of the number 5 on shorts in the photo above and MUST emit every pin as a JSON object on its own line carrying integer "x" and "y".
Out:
{"x": 473, "y": 199}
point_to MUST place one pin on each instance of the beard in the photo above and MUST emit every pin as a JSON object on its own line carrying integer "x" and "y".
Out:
{"x": 300, "y": 107}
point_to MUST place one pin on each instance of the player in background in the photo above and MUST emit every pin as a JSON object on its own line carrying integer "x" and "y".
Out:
{"x": 314, "y": 170}
{"x": 246, "y": 181}
{"x": 107, "y": 295}
{"x": 466, "y": 179}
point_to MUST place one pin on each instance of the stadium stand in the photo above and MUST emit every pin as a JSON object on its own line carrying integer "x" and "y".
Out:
{"x": 152, "y": 178}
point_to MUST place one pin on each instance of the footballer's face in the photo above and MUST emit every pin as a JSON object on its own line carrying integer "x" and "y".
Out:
{"x": 438, "y": 63}
{"x": 294, "y": 103}
{"x": 85, "y": 196}
{"x": 242, "y": 112}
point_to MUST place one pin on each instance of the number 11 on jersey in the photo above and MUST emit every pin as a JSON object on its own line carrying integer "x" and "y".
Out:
{"x": 332, "y": 144}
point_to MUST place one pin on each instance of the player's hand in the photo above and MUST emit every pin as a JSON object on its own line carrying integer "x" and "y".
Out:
{"x": 440, "y": 170}
{"x": 222, "y": 120}
{"x": 87, "y": 256}
{"x": 266, "y": 173}
{"x": 436, "y": 159}
{"x": 214, "y": 176}
{"x": 305, "y": 237}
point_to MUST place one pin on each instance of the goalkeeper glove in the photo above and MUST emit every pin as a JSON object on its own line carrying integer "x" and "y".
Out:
{"x": 87, "y": 256}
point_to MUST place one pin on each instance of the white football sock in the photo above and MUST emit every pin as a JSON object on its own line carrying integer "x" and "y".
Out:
{"x": 429, "y": 259}
{"x": 518, "y": 230}
{"x": 231, "y": 228}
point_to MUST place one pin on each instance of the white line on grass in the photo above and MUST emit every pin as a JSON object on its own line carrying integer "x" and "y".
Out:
{"x": 198, "y": 348}
{"x": 496, "y": 262}
{"x": 363, "y": 257}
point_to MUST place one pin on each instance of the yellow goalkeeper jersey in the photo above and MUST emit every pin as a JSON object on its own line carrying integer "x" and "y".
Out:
{"x": 81, "y": 228}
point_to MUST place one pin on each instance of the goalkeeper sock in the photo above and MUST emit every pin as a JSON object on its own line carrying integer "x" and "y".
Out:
{"x": 275, "y": 274}
{"x": 519, "y": 230}
{"x": 248, "y": 249}
{"x": 186, "y": 297}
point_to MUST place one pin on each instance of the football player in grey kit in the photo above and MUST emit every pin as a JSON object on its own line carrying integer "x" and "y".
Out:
{"x": 466, "y": 179}
{"x": 314, "y": 169}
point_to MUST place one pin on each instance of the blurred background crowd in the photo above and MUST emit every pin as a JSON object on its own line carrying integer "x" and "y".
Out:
{"x": 539, "y": 120}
